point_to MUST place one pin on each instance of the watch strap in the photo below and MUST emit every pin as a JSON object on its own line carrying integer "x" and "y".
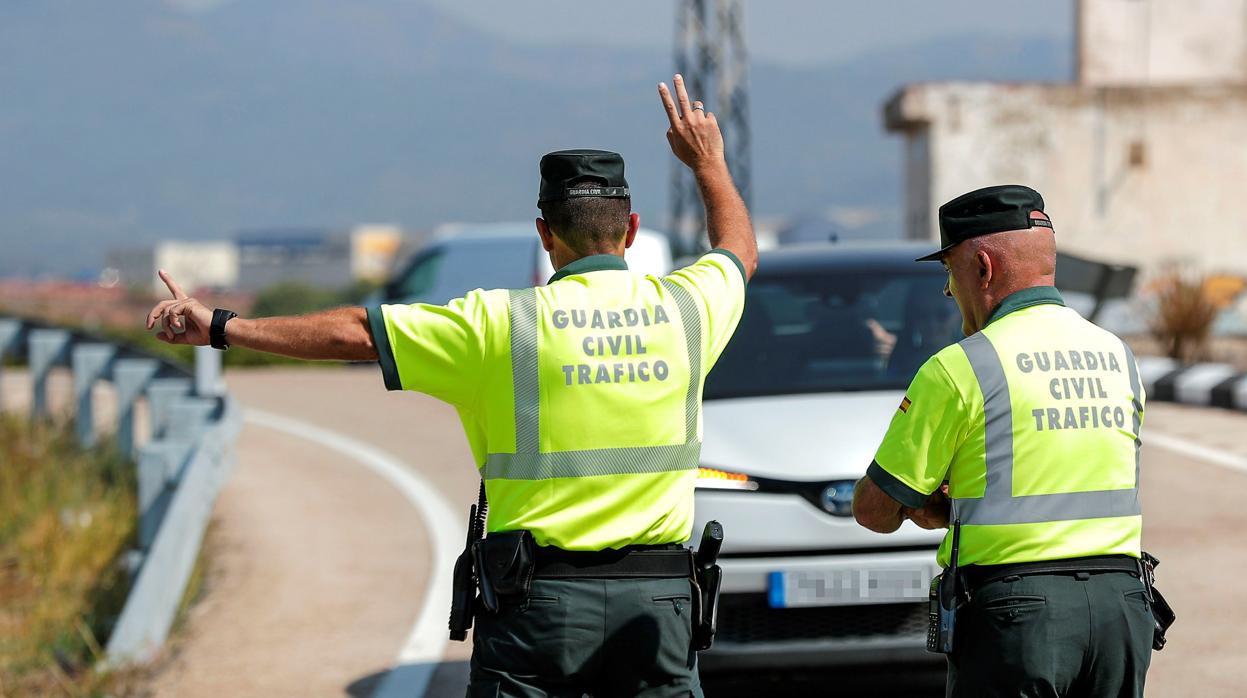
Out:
{"x": 216, "y": 331}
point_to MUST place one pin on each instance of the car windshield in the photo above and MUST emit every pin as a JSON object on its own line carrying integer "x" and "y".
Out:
{"x": 835, "y": 331}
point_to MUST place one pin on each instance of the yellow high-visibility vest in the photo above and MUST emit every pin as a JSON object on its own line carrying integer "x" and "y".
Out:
{"x": 581, "y": 399}
{"x": 1034, "y": 423}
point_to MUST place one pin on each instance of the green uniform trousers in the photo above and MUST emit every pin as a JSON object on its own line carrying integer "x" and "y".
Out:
{"x": 1053, "y": 635}
{"x": 603, "y": 637}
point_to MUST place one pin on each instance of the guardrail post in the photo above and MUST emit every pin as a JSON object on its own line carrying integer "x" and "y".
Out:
{"x": 161, "y": 393}
{"x": 130, "y": 377}
{"x": 46, "y": 349}
{"x": 10, "y": 343}
{"x": 90, "y": 363}
{"x": 208, "y": 381}
{"x": 190, "y": 416}
{"x": 156, "y": 460}
{"x": 161, "y": 462}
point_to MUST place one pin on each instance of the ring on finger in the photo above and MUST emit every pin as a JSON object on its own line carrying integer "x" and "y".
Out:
{"x": 698, "y": 106}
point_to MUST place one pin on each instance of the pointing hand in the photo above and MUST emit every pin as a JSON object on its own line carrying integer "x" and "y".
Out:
{"x": 183, "y": 320}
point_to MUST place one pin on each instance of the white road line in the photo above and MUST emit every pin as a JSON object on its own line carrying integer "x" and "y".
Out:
{"x": 426, "y": 643}
{"x": 1215, "y": 456}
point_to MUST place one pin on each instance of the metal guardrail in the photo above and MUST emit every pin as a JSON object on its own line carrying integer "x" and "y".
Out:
{"x": 194, "y": 424}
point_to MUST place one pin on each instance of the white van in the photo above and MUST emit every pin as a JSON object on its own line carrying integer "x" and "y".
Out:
{"x": 463, "y": 257}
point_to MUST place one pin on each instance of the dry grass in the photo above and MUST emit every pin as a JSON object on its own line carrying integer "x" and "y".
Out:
{"x": 1186, "y": 309}
{"x": 66, "y": 516}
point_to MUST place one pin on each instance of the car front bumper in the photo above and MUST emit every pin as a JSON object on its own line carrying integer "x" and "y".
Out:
{"x": 753, "y": 634}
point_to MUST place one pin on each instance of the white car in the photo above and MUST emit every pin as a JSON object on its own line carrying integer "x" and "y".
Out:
{"x": 830, "y": 337}
{"x": 463, "y": 257}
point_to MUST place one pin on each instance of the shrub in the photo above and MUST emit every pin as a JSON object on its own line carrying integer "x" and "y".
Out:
{"x": 1185, "y": 312}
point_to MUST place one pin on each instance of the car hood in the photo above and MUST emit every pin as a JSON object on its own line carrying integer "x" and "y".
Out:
{"x": 824, "y": 436}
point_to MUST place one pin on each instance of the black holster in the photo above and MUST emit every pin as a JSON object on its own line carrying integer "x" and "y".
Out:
{"x": 1162, "y": 613}
{"x": 706, "y": 586}
{"x": 504, "y": 563}
{"x": 707, "y": 583}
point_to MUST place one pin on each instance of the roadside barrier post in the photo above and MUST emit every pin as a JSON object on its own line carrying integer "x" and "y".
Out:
{"x": 131, "y": 377}
{"x": 159, "y": 466}
{"x": 47, "y": 348}
{"x": 208, "y": 381}
{"x": 90, "y": 362}
{"x": 161, "y": 393}
{"x": 10, "y": 344}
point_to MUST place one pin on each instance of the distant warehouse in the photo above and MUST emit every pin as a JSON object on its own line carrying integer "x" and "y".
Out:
{"x": 257, "y": 259}
{"x": 194, "y": 264}
{"x": 1141, "y": 159}
{"x": 315, "y": 257}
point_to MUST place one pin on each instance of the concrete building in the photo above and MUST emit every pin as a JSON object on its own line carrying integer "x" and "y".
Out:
{"x": 196, "y": 265}
{"x": 255, "y": 260}
{"x": 304, "y": 255}
{"x": 1142, "y": 159}
{"x": 317, "y": 257}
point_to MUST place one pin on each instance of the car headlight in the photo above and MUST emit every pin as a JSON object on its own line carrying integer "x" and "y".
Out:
{"x": 713, "y": 479}
{"x": 837, "y": 498}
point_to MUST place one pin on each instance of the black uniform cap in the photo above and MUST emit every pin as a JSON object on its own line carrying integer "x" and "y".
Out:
{"x": 564, "y": 168}
{"x": 986, "y": 211}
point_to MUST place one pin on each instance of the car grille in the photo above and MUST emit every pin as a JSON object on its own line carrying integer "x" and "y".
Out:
{"x": 747, "y": 618}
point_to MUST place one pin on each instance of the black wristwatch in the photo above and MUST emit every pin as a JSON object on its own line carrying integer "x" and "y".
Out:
{"x": 216, "y": 331}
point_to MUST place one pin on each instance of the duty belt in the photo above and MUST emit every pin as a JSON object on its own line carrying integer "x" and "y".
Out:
{"x": 659, "y": 561}
{"x": 978, "y": 575}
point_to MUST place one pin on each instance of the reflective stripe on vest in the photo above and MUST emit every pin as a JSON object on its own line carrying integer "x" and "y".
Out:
{"x": 998, "y": 505}
{"x": 529, "y": 463}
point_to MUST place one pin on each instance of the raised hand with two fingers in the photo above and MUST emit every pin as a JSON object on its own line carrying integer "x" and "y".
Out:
{"x": 694, "y": 134}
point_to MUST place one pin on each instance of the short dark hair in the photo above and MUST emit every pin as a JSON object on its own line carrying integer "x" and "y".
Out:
{"x": 588, "y": 224}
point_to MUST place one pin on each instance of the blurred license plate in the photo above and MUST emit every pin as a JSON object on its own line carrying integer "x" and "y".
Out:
{"x": 837, "y": 587}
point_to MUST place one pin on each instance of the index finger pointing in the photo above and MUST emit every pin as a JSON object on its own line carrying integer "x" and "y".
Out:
{"x": 668, "y": 104}
{"x": 173, "y": 285}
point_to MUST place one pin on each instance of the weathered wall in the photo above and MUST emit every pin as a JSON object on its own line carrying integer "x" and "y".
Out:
{"x": 1141, "y": 176}
{"x": 1162, "y": 42}
{"x": 193, "y": 264}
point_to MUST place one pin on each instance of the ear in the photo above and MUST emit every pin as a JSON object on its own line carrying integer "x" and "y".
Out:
{"x": 547, "y": 237}
{"x": 634, "y": 224}
{"x": 985, "y": 268}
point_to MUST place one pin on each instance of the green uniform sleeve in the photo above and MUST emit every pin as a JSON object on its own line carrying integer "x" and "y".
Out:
{"x": 928, "y": 427}
{"x": 433, "y": 349}
{"x": 717, "y": 283}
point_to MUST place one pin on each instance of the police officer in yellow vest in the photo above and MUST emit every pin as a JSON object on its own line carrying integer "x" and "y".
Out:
{"x": 1026, "y": 433}
{"x": 581, "y": 401}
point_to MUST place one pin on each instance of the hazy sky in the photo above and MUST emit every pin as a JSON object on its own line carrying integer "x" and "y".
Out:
{"x": 226, "y": 145}
{"x": 787, "y": 31}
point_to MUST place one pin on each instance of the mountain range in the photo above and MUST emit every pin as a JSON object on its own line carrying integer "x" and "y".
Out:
{"x": 129, "y": 121}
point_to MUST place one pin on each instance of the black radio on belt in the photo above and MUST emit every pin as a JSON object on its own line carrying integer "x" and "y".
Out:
{"x": 463, "y": 589}
{"x": 944, "y": 600}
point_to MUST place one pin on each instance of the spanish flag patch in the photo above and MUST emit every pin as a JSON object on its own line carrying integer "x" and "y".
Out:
{"x": 905, "y": 403}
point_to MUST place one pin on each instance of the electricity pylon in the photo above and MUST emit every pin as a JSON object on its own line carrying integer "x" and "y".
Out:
{"x": 710, "y": 51}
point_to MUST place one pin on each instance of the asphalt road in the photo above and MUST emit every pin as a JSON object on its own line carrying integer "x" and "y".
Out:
{"x": 1194, "y": 522}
